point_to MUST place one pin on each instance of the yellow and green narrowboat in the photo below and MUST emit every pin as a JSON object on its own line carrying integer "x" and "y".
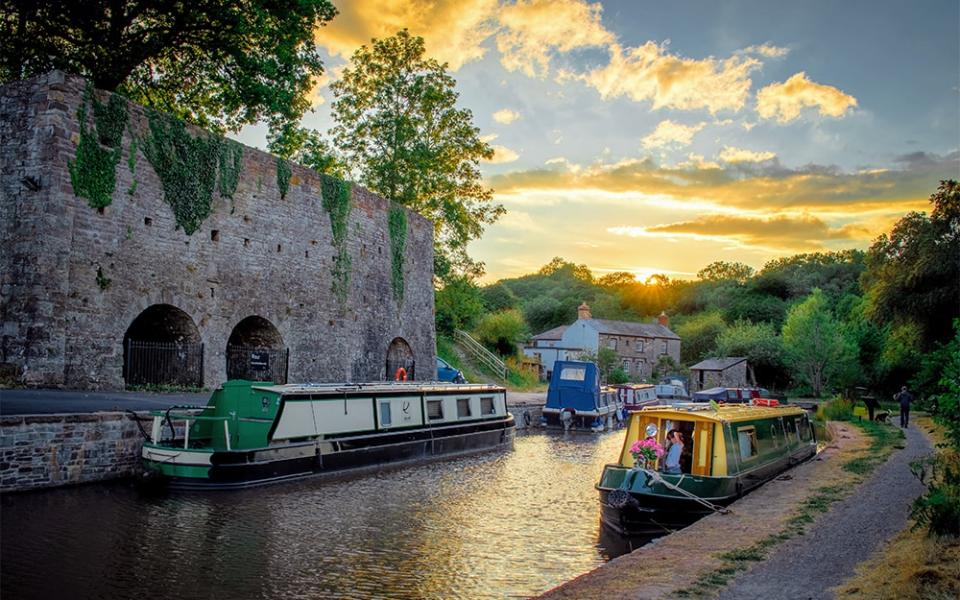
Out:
{"x": 253, "y": 433}
{"x": 728, "y": 450}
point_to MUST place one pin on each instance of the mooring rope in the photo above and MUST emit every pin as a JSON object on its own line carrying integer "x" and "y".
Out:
{"x": 656, "y": 478}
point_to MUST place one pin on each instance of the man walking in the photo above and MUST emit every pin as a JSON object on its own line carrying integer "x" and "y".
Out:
{"x": 904, "y": 398}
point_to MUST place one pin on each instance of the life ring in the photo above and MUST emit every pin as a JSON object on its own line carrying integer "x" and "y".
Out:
{"x": 400, "y": 375}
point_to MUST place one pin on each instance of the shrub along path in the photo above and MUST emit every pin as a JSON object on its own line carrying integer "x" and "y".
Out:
{"x": 807, "y": 566}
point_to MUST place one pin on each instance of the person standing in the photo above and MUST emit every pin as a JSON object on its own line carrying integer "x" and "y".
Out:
{"x": 904, "y": 398}
{"x": 672, "y": 462}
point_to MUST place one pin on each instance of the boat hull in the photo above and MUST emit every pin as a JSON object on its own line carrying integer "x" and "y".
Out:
{"x": 200, "y": 469}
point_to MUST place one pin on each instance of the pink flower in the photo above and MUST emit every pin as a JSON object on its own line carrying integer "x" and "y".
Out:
{"x": 646, "y": 450}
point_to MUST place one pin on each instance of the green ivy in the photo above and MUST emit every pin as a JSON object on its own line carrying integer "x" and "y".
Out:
{"x": 398, "y": 240}
{"x": 337, "y": 196}
{"x": 132, "y": 162}
{"x": 283, "y": 176}
{"x": 93, "y": 172}
{"x": 186, "y": 166}
{"x": 102, "y": 280}
{"x": 231, "y": 159}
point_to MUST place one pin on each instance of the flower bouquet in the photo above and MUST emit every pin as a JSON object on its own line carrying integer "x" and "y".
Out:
{"x": 645, "y": 452}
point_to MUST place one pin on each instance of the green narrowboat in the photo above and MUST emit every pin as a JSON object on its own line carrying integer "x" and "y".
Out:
{"x": 728, "y": 450}
{"x": 253, "y": 433}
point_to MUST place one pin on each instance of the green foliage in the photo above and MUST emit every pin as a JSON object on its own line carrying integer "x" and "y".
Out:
{"x": 337, "y": 197}
{"x": 218, "y": 64}
{"x": 545, "y": 313}
{"x": 307, "y": 148}
{"x": 459, "y": 305}
{"x": 838, "y": 409}
{"x": 398, "y": 242}
{"x": 93, "y": 171}
{"x": 498, "y": 297}
{"x": 284, "y": 173}
{"x": 913, "y": 273}
{"x": 102, "y": 280}
{"x": 725, "y": 271}
{"x": 815, "y": 346}
{"x": 520, "y": 378}
{"x": 618, "y": 375}
{"x": 231, "y": 161}
{"x": 501, "y": 331}
{"x": 762, "y": 347}
{"x": 939, "y": 508}
{"x": 665, "y": 366}
{"x": 398, "y": 126}
{"x": 186, "y": 166}
{"x": 698, "y": 335}
{"x": 834, "y": 273}
{"x": 606, "y": 359}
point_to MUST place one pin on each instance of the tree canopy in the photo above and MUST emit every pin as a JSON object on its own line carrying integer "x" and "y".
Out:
{"x": 398, "y": 127}
{"x": 217, "y": 63}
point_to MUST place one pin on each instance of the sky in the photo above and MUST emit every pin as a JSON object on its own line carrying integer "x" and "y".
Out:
{"x": 658, "y": 137}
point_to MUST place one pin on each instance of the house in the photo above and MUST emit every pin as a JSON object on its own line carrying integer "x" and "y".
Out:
{"x": 719, "y": 372}
{"x": 638, "y": 345}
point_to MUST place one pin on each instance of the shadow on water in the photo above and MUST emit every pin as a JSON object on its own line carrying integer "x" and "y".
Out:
{"x": 495, "y": 525}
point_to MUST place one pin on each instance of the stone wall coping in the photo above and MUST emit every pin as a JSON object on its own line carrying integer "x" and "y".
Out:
{"x": 10, "y": 420}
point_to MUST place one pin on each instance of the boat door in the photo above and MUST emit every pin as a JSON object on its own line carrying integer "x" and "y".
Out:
{"x": 702, "y": 448}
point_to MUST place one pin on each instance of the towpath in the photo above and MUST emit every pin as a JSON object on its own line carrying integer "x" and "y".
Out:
{"x": 808, "y": 566}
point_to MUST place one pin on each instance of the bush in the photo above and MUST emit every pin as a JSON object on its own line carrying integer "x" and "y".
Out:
{"x": 618, "y": 375}
{"x": 502, "y": 331}
{"x": 838, "y": 409}
{"x": 939, "y": 508}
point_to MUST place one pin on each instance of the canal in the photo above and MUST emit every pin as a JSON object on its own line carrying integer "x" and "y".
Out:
{"x": 498, "y": 525}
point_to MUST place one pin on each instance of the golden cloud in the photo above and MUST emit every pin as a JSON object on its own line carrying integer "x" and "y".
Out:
{"x": 502, "y": 154}
{"x": 767, "y": 50}
{"x": 506, "y": 116}
{"x": 534, "y": 29}
{"x": 731, "y": 154}
{"x": 785, "y": 101}
{"x": 453, "y": 30}
{"x": 669, "y": 133}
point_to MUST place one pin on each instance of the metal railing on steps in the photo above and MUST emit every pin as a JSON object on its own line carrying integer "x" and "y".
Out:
{"x": 489, "y": 359}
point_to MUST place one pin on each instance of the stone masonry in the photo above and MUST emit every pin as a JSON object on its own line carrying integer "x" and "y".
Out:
{"x": 74, "y": 278}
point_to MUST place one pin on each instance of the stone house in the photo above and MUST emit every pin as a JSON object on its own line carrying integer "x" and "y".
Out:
{"x": 718, "y": 372}
{"x": 639, "y": 346}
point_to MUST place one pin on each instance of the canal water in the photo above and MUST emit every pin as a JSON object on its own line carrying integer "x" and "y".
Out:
{"x": 496, "y": 525}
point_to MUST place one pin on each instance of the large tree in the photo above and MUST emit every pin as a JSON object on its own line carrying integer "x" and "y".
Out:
{"x": 816, "y": 347}
{"x": 398, "y": 126}
{"x": 217, "y": 63}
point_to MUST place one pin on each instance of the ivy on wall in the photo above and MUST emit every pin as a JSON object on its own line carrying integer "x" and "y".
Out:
{"x": 132, "y": 163}
{"x": 231, "y": 160}
{"x": 398, "y": 241}
{"x": 337, "y": 201}
{"x": 93, "y": 169}
{"x": 283, "y": 176}
{"x": 186, "y": 166}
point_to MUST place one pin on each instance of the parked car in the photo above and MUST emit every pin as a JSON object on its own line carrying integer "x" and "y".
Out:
{"x": 446, "y": 372}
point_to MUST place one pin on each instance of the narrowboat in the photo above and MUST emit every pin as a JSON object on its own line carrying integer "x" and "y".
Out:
{"x": 728, "y": 451}
{"x": 731, "y": 395}
{"x": 634, "y": 396}
{"x": 672, "y": 391}
{"x": 252, "y": 433}
{"x": 576, "y": 400}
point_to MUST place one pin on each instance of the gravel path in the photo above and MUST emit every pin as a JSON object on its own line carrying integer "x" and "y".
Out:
{"x": 807, "y": 566}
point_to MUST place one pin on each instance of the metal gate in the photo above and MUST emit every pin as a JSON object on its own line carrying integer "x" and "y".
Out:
{"x": 163, "y": 363}
{"x": 258, "y": 363}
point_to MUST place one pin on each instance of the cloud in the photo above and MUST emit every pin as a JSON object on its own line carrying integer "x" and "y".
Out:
{"x": 453, "y": 30}
{"x": 506, "y": 116}
{"x": 669, "y": 133}
{"x": 731, "y": 154}
{"x": 502, "y": 154}
{"x": 532, "y": 30}
{"x": 649, "y": 72}
{"x": 767, "y": 50}
{"x": 785, "y": 101}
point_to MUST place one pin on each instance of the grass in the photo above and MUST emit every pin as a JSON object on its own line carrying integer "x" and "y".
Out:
{"x": 736, "y": 561}
{"x": 475, "y": 372}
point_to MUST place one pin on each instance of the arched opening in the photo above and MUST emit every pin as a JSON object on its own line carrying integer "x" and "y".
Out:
{"x": 255, "y": 351}
{"x": 400, "y": 355}
{"x": 162, "y": 347}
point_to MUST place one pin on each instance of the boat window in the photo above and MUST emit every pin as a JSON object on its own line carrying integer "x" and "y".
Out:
{"x": 747, "y": 436}
{"x": 434, "y": 409}
{"x": 463, "y": 407}
{"x": 486, "y": 406}
{"x": 384, "y": 413}
{"x": 573, "y": 374}
{"x": 775, "y": 435}
{"x": 732, "y": 395}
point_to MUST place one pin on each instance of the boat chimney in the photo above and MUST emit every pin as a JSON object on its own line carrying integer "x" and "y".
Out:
{"x": 583, "y": 311}
{"x": 663, "y": 319}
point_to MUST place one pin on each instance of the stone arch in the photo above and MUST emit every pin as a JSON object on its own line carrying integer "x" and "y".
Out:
{"x": 255, "y": 351}
{"x": 162, "y": 346}
{"x": 400, "y": 355}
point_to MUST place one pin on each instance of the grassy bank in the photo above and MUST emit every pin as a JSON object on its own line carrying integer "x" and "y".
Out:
{"x": 475, "y": 372}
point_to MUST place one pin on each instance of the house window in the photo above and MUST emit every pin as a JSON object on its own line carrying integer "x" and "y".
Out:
{"x": 626, "y": 366}
{"x": 663, "y": 348}
{"x": 612, "y": 343}
{"x": 626, "y": 343}
{"x": 385, "y": 413}
{"x": 434, "y": 409}
{"x": 463, "y": 407}
{"x": 747, "y": 437}
{"x": 639, "y": 346}
{"x": 486, "y": 406}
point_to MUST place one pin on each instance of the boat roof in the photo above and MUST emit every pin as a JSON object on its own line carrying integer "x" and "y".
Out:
{"x": 721, "y": 413}
{"x": 379, "y": 387}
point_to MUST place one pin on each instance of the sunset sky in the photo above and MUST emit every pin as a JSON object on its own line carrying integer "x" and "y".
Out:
{"x": 657, "y": 137}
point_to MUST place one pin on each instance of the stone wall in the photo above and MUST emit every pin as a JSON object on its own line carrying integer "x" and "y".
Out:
{"x": 38, "y": 451}
{"x": 74, "y": 278}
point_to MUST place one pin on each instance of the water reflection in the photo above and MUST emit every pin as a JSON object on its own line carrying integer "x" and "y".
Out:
{"x": 489, "y": 526}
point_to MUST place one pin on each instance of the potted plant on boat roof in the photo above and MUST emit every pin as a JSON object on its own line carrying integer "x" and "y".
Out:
{"x": 645, "y": 452}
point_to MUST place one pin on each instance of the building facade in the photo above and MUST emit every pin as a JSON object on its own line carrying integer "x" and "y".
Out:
{"x": 718, "y": 372}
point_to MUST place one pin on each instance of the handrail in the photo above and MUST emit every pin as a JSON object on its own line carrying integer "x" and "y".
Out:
{"x": 491, "y": 360}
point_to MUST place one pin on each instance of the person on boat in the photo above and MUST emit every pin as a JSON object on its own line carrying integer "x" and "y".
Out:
{"x": 671, "y": 463}
{"x": 904, "y": 398}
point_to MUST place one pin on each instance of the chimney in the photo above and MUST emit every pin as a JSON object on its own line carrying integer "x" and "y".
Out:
{"x": 583, "y": 311}
{"x": 663, "y": 319}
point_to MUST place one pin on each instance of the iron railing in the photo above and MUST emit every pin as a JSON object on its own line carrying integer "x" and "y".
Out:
{"x": 491, "y": 360}
{"x": 163, "y": 363}
{"x": 258, "y": 363}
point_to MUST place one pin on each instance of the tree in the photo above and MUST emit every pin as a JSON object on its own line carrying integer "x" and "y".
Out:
{"x": 220, "y": 64}
{"x": 545, "y": 313}
{"x": 815, "y": 346}
{"x": 306, "y": 147}
{"x": 498, "y": 297}
{"x": 458, "y": 305}
{"x": 725, "y": 271}
{"x": 699, "y": 336}
{"x": 606, "y": 359}
{"x": 398, "y": 126}
{"x": 761, "y": 346}
{"x": 502, "y": 331}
